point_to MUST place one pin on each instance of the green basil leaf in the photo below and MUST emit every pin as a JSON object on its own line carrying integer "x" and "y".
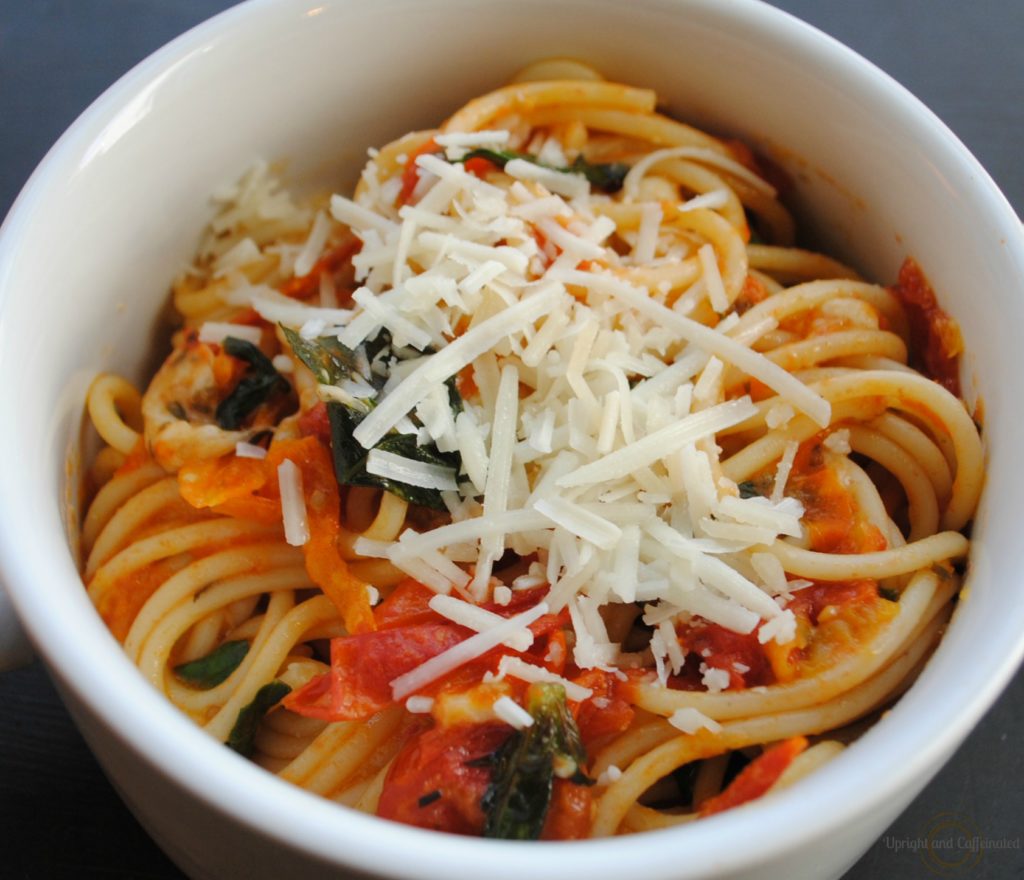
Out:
{"x": 517, "y": 800}
{"x": 329, "y": 360}
{"x": 350, "y": 458}
{"x": 215, "y": 667}
{"x": 243, "y": 735}
{"x": 605, "y": 176}
{"x": 748, "y": 489}
{"x": 332, "y": 363}
{"x": 260, "y": 381}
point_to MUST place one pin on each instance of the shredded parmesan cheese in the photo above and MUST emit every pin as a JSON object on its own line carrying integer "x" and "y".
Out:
{"x": 509, "y": 711}
{"x": 293, "y": 504}
{"x": 443, "y": 663}
{"x": 690, "y": 720}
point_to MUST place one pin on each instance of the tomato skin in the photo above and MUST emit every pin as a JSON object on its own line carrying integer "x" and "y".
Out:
{"x": 757, "y": 777}
{"x": 725, "y": 648}
{"x": 316, "y": 423}
{"x": 570, "y": 813}
{"x": 363, "y": 667}
{"x": 408, "y": 604}
{"x": 935, "y": 342}
{"x": 441, "y": 760}
{"x": 607, "y": 712}
{"x": 406, "y": 633}
{"x": 447, "y": 760}
{"x": 480, "y": 166}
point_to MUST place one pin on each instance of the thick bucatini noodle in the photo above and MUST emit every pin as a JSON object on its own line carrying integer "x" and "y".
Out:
{"x": 543, "y": 488}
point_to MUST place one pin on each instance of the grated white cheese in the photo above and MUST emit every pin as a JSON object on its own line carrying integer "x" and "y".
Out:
{"x": 609, "y": 775}
{"x": 647, "y": 235}
{"x": 838, "y": 442}
{"x": 783, "y": 470}
{"x": 778, "y": 415}
{"x": 315, "y": 242}
{"x": 419, "y": 705}
{"x": 283, "y": 364}
{"x": 559, "y": 182}
{"x": 660, "y": 444}
{"x": 712, "y": 278}
{"x": 714, "y": 342}
{"x": 496, "y": 489}
{"x": 690, "y": 720}
{"x": 581, "y": 522}
{"x": 447, "y": 362}
{"x": 241, "y": 254}
{"x": 217, "y": 331}
{"x": 472, "y": 139}
{"x": 410, "y": 471}
{"x": 293, "y": 503}
{"x": 509, "y": 711}
{"x": 781, "y": 629}
{"x": 249, "y": 450}
{"x": 714, "y": 679}
{"x": 591, "y": 445}
{"x": 473, "y": 647}
{"x": 479, "y": 619}
{"x": 524, "y": 671}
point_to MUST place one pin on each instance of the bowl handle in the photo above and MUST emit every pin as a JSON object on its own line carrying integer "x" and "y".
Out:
{"x": 15, "y": 649}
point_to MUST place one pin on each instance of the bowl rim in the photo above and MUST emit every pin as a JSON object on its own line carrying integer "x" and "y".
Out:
{"x": 144, "y": 722}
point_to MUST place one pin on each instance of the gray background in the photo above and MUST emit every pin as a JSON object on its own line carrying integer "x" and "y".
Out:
{"x": 59, "y": 816}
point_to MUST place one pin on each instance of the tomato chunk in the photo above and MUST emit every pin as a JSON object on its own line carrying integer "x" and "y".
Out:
{"x": 436, "y": 782}
{"x": 757, "y": 777}
{"x": 363, "y": 667}
{"x": 935, "y": 341}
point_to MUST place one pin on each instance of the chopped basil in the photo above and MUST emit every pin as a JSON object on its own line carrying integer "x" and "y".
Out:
{"x": 260, "y": 381}
{"x": 329, "y": 360}
{"x": 243, "y": 735}
{"x": 516, "y": 802}
{"x": 332, "y": 363}
{"x": 605, "y": 176}
{"x": 215, "y": 667}
{"x": 748, "y": 489}
{"x": 350, "y": 457}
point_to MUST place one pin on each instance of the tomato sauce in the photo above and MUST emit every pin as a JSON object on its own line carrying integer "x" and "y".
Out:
{"x": 935, "y": 341}
{"x": 738, "y": 654}
{"x": 438, "y": 779}
{"x": 304, "y": 286}
{"x": 834, "y": 520}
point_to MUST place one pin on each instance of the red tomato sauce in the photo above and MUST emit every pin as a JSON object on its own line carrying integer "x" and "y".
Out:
{"x": 935, "y": 341}
{"x": 831, "y": 514}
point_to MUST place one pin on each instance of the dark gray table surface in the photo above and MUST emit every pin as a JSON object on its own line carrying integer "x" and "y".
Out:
{"x": 59, "y": 817}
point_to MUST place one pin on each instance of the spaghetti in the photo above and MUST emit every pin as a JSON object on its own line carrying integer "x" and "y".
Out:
{"x": 542, "y": 489}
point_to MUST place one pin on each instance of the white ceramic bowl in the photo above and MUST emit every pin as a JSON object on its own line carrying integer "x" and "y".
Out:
{"x": 122, "y": 196}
